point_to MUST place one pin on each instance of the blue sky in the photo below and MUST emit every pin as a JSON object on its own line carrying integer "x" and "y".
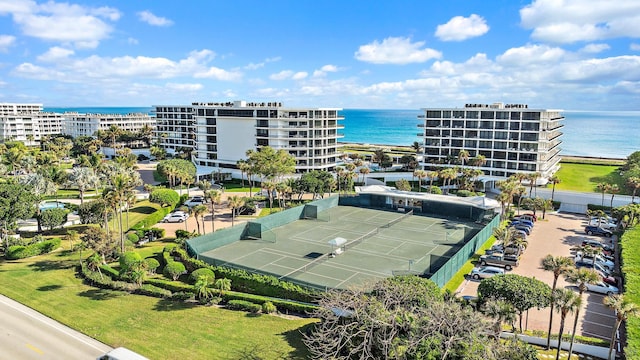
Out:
{"x": 570, "y": 54}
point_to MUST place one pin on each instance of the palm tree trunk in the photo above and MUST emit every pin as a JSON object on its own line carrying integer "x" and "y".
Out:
{"x": 121, "y": 229}
{"x": 573, "y": 335}
{"x": 550, "y": 326}
{"x": 213, "y": 216}
{"x": 560, "y": 337}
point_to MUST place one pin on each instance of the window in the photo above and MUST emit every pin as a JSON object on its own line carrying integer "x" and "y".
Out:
{"x": 235, "y": 113}
{"x": 200, "y": 112}
{"x": 486, "y": 115}
{"x": 434, "y": 114}
{"x": 530, "y": 115}
{"x": 472, "y": 114}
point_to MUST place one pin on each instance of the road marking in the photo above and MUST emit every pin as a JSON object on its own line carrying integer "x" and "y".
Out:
{"x": 35, "y": 349}
{"x": 52, "y": 323}
{"x": 601, "y": 314}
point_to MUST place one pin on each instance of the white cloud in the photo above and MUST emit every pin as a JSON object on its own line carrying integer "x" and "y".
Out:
{"x": 595, "y": 48}
{"x": 634, "y": 47}
{"x": 184, "y": 87}
{"x": 531, "y": 54}
{"x": 324, "y": 70}
{"x": 461, "y": 28}
{"x": 151, "y": 19}
{"x": 256, "y": 66}
{"x": 299, "y": 75}
{"x": 55, "y": 53}
{"x": 6, "y": 41}
{"x": 127, "y": 67}
{"x": 396, "y": 50}
{"x": 132, "y": 41}
{"x": 282, "y": 75}
{"x": 62, "y": 22}
{"x": 571, "y": 21}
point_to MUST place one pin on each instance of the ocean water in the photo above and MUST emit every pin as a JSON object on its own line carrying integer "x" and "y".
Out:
{"x": 614, "y": 134}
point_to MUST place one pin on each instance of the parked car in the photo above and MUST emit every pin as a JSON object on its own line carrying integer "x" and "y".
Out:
{"x": 486, "y": 272}
{"x": 597, "y": 244}
{"x": 527, "y": 217}
{"x": 603, "y": 288}
{"x": 194, "y": 201}
{"x": 595, "y": 230}
{"x": 603, "y": 224}
{"x": 499, "y": 249}
{"x": 501, "y": 260}
{"x": 523, "y": 221}
{"x": 609, "y": 264}
{"x": 595, "y": 266}
{"x": 522, "y": 227}
{"x": 535, "y": 217}
{"x": 176, "y": 216}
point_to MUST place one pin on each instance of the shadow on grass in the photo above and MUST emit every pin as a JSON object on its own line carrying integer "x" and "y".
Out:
{"x": 171, "y": 305}
{"x": 47, "y": 265}
{"x": 294, "y": 338}
{"x": 143, "y": 210}
{"x": 101, "y": 294}
{"x": 49, "y": 287}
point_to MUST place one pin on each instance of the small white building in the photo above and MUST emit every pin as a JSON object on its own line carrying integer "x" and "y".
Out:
{"x": 27, "y": 123}
{"x": 77, "y": 124}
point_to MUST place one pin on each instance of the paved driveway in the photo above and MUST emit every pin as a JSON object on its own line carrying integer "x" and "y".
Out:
{"x": 556, "y": 235}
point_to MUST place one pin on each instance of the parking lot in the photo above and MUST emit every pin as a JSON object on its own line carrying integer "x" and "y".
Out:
{"x": 556, "y": 235}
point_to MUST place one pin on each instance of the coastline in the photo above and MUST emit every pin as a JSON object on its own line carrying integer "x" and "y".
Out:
{"x": 567, "y": 158}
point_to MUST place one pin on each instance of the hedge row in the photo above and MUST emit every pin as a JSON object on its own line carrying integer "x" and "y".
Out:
{"x": 630, "y": 259}
{"x": 243, "y": 281}
{"x": 244, "y": 306}
{"x": 20, "y": 252}
{"x": 153, "y": 218}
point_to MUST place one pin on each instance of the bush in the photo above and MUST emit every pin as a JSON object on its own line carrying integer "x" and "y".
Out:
{"x": 282, "y": 305}
{"x": 269, "y": 308}
{"x": 244, "y": 306}
{"x": 181, "y": 296}
{"x": 93, "y": 212}
{"x": 52, "y": 218}
{"x": 184, "y": 234}
{"x": 157, "y": 233}
{"x": 150, "y": 290}
{"x": 434, "y": 190}
{"x": 174, "y": 269}
{"x": 153, "y": 219}
{"x": 193, "y": 277}
{"x": 465, "y": 193}
{"x": 133, "y": 237}
{"x": 152, "y": 264}
{"x": 170, "y": 285}
{"x": 20, "y": 252}
{"x": 164, "y": 197}
{"x": 127, "y": 259}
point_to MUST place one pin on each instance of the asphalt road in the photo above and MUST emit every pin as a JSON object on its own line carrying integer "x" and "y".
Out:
{"x": 27, "y": 334}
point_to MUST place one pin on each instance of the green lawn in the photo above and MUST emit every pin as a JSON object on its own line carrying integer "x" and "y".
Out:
{"x": 585, "y": 177}
{"x": 137, "y": 213}
{"x": 158, "y": 329}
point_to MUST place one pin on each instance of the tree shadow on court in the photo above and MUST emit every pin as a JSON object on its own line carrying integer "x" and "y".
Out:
{"x": 101, "y": 294}
{"x": 49, "y": 287}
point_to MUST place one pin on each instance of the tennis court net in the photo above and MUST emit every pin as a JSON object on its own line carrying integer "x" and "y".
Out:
{"x": 306, "y": 267}
{"x": 361, "y": 239}
{"x": 393, "y": 222}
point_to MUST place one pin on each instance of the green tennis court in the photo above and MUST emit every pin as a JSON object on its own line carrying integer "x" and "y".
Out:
{"x": 377, "y": 244}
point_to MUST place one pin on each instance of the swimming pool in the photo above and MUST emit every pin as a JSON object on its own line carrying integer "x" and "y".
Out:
{"x": 51, "y": 205}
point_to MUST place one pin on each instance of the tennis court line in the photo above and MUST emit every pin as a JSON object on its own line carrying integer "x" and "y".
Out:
{"x": 354, "y": 269}
{"x": 347, "y": 280}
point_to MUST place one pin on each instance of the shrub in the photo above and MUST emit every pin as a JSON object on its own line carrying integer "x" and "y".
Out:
{"x": 193, "y": 277}
{"x": 181, "y": 296}
{"x": 174, "y": 269}
{"x": 164, "y": 197}
{"x": 173, "y": 286}
{"x": 183, "y": 234}
{"x": 282, "y": 305}
{"x": 110, "y": 272}
{"x": 133, "y": 237}
{"x": 93, "y": 212}
{"x": 244, "y": 306}
{"x": 152, "y": 264}
{"x": 465, "y": 193}
{"x": 434, "y": 190}
{"x": 52, "y": 218}
{"x": 269, "y": 308}
{"x": 150, "y": 290}
{"x": 157, "y": 233}
{"x": 153, "y": 219}
{"x": 128, "y": 258}
{"x": 20, "y": 252}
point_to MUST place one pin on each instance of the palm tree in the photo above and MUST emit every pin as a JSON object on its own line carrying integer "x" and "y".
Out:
{"x": 198, "y": 212}
{"x": 235, "y": 202}
{"x": 566, "y": 301}
{"x": 270, "y": 186}
{"x": 613, "y": 190}
{"x": 94, "y": 262}
{"x": 112, "y": 133}
{"x": 581, "y": 277}
{"x": 463, "y": 155}
{"x": 634, "y": 183}
{"x": 84, "y": 179}
{"x": 416, "y": 147}
{"x": 145, "y": 134}
{"x": 603, "y": 188}
{"x": 243, "y": 166}
{"x": 501, "y": 311}
{"x": 214, "y": 197}
{"x": 40, "y": 186}
{"x": 364, "y": 171}
{"x": 120, "y": 190}
{"x": 533, "y": 177}
{"x": 202, "y": 290}
{"x": 222, "y": 285}
{"x": 623, "y": 308}
{"x": 420, "y": 174}
{"x": 559, "y": 265}
{"x": 554, "y": 180}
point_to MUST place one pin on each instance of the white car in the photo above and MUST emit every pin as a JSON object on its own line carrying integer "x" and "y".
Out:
{"x": 609, "y": 225}
{"x": 603, "y": 288}
{"x": 176, "y": 216}
{"x": 194, "y": 201}
{"x": 486, "y": 272}
{"x": 608, "y": 264}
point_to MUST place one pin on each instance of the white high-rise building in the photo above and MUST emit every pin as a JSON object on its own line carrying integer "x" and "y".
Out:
{"x": 27, "y": 123}
{"x": 512, "y": 138}
{"x": 76, "y": 124}
{"x": 221, "y": 133}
